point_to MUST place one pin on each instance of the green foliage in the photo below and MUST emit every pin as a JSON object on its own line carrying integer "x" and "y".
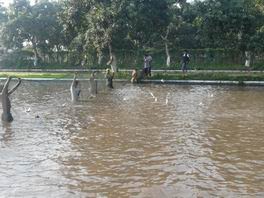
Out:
{"x": 35, "y": 25}
{"x": 17, "y": 59}
{"x": 84, "y": 33}
{"x": 229, "y": 23}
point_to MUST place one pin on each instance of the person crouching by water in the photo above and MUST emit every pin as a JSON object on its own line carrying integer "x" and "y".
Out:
{"x": 75, "y": 89}
{"x": 109, "y": 75}
{"x": 6, "y": 104}
{"x": 134, "y": 76}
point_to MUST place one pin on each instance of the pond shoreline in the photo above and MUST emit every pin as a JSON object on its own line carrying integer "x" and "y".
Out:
{"x": 127, "y": 70}
{"x": 148, "y": 81}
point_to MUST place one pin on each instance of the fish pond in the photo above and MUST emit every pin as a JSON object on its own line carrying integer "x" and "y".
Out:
{"x": 133, "y": 141}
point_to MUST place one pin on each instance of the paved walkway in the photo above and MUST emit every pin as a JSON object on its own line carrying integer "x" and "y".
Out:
{"x": 190, "y": 82}
{"x": 125, "y": 70}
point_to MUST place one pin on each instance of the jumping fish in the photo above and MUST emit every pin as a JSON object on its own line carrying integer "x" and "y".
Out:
{"x": 155, "y": 98}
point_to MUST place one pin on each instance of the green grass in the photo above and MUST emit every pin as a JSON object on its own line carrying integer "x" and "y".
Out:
{"x": 35, "y": 75}
{"x": 56, "y": 75}
{"x": 241, "y": 76}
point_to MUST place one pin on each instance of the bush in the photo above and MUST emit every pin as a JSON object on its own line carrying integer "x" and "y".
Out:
{"x": 17, "y": 59}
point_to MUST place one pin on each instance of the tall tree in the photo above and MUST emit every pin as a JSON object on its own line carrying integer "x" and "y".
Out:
{"x": 174, "y": 22}
{"x": 3, "y": 20}
{"x": 106, "y": 25}
{"x": 35, "y": 25}
{"x": 230, "y": 24}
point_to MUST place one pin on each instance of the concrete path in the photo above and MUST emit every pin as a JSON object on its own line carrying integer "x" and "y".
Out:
{"x": 126, "y": 70}
{"x": 190, "y": 82}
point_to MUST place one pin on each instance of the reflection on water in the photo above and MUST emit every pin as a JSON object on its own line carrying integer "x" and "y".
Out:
{"x": 134, "y": 141}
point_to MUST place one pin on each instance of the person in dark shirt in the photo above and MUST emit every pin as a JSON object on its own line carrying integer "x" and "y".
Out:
{"x": 185, "y": 59}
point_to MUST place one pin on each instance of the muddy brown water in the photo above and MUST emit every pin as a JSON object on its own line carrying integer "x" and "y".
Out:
{"x": 134, "y": 141}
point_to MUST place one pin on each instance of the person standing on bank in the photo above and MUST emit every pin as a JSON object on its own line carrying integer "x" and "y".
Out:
{"x": 75, "y": 89}
{"x": 147, "y": 65}
{"x": 185, "y": 59}
{"x": 6, "y": 104}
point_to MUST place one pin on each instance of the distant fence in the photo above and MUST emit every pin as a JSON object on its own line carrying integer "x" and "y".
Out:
{"x": 200, "y": 59}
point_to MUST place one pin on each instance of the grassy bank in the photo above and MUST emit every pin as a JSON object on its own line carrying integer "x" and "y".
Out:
{"x": 38, "y": 75}
{"x": 231, "y": 76}
{"x": 228, "y": 76}
{"x": 211, "y": 76}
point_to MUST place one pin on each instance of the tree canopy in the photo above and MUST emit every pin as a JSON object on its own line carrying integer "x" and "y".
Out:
{"x": 83, "y": 32}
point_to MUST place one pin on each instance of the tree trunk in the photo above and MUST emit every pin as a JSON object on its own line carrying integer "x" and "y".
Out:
{"x": 6, "y": 104}
{"x": 57, "y": 54}
{"x": 36, "y": 55}
{"x": 165, "y": 39}
{"x": 100, "y": 57}
{"x": 168, "y": 61}
{"x": 248, "y": 59}
{"x": 112, "y": 59}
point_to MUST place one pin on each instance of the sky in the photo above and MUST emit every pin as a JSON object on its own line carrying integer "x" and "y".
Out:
{"x": 7, "y": 2}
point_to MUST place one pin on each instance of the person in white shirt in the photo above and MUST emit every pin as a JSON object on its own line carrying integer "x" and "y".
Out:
{"x": 147, "y": 64}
